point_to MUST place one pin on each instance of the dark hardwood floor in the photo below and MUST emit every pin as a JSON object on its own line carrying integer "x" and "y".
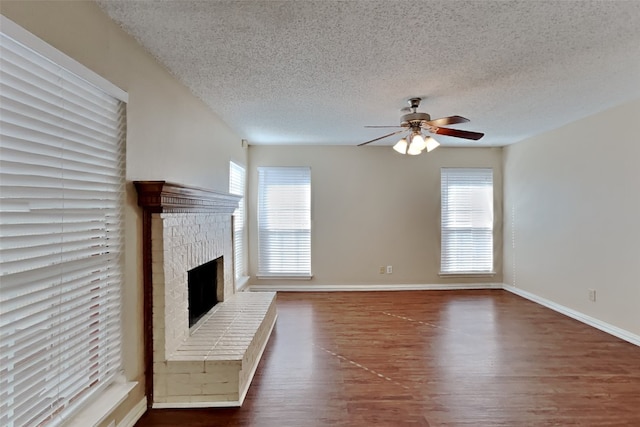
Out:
{"x": 430, "y": 358}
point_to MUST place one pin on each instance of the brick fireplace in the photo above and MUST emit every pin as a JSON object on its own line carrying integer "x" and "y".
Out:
{"x": 212, "y": 362}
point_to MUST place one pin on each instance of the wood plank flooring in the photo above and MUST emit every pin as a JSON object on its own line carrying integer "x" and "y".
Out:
{"x": 430, "y": 358}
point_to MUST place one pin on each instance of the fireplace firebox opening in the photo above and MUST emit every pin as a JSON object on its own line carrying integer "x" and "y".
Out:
{"x": 203, "y": 288}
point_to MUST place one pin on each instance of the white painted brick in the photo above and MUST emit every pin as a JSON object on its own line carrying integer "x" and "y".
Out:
{"x": 159, "y": 346}
{"x": 159, "y": 386}
{"x": 160, "y": 367}
{"x": 232, "y": 397}
{"x": 179, "y": 357}
{"x": 185, "y": 241}
{"x": 184, "y": 389}
{"x": 220, "y": 387}
{"x": 213, "y": 366}
{"x": 178, "y": 399}
{"x": 222, "y": 374}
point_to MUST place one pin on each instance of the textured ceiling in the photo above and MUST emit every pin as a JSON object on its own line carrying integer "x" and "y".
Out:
{"x": 317, "y": 72}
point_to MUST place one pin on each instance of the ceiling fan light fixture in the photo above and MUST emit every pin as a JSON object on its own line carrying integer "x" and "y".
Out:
{"x": 431, "y": 144}
{"x": 414, "y": 149}
{"x": 401, "y": 146}
{"x": 417, "y": 141}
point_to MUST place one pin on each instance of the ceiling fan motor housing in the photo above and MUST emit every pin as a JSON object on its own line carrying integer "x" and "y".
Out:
{"x": 414, "y": 119}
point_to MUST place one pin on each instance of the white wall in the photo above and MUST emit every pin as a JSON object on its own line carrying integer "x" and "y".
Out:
{"x": 171, "y": 135}
{"x": 373, "y": 207}
{"x": 572, "y": 216}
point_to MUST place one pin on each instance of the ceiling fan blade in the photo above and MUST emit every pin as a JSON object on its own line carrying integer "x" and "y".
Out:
{"x": 445, "y": 121}
{"x": 382, "y": 137}
{"x": 456, "y": 133}
{"x": 384, "y": 126}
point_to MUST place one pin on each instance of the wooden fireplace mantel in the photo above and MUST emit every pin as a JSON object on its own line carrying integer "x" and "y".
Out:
{"x": 167, "y": 197}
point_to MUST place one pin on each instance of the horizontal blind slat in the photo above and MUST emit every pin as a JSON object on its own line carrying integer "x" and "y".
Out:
{"x": 42, "y": 300}
{"x": 76, "y": 302}
{"x": 92, "y": 116}
{"x": 58, "y": 119}
{"x": 23, "y": 141}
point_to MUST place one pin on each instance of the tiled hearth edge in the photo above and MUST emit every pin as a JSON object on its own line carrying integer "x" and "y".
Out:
{"x": 182, "y": 228}
{"x": 623, "y": 334}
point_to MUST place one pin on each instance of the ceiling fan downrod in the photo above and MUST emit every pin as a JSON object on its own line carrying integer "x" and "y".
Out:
{"x": 414, "y": 119}
{"x": 414, "y": 103}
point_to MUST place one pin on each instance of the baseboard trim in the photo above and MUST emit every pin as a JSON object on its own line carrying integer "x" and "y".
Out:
{"x": 134, "y": 414}
{"x": 581, "y": 317}
{"x": 374, "y": 287}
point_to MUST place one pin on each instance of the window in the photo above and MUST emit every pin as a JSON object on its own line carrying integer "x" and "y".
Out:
{"x": 284, "y": 222}
{"x": 236, "y": 186}
{"x": 466, "y": 221}
{"x": 61, "y": 200}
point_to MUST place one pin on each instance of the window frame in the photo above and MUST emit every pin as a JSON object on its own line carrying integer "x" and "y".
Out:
{"x": 238, "y": 186}
{"x": 284, "y": 176}
{"x": 473, "y": 212}
{"x": 93, "y": 406}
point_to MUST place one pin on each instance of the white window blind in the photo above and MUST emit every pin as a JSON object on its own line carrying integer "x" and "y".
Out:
{"x": 284, "y": 221}
{"x": 466, "y": 220}
{"x": 61, "y": 199}
{"x": 236, "y": 186}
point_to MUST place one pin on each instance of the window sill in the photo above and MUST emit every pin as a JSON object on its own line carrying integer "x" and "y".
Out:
{"x": 284, "y": 277}
{"x": 470, "y": 274}
{"x": 97, "y": 411}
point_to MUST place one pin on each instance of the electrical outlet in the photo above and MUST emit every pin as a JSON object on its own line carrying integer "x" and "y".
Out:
{"x": 389, "y": 269}
{"x": 381, "y": 270}
{"x": 592, "y": 295}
